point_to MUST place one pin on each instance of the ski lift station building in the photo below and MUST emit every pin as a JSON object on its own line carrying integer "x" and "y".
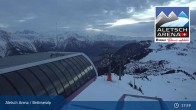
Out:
{"x": 46, "y": 74}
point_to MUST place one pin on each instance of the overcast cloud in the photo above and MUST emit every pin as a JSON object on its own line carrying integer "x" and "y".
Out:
{"x": 117, "y": 17}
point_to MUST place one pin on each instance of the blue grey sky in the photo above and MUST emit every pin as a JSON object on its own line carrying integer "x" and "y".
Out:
{"x": 117, "y": 17}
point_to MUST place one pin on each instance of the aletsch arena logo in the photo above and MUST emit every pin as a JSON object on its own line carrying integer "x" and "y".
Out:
{"x": 172, "y": 24}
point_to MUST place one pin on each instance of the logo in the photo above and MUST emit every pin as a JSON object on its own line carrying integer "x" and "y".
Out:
{"x": 176, "y": 105}
{"x": 172, "y": 24}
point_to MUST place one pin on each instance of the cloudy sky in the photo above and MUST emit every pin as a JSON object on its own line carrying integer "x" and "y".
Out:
{"x": 117, "y": 17}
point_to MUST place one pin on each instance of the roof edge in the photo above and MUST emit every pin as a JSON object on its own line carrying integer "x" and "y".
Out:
{"x": 13, "y": 68}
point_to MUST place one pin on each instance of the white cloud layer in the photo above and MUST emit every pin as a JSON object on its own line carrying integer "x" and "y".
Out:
{"x": 148, "y": 14}
{"x": 93, "y": 29}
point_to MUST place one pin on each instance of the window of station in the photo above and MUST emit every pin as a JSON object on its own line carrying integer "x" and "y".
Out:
{"x": 92, "y": 71}
{"x": 33, "y": 81}
{"x": 81, "y": 59}
{"x": 87, "y": 62}
{"x": 59, "y": 75}
{"x": 54, "y": 79}
{"x": 85, "y": 65}
{"x": 87, "y": 70}
{"x": 44, "y": 80}
{"x": 19, "y": 83}
{"x": 72, "y": 63}
{"x": 81, "y": 67}
{"x": 77, "y": 69}
{"x": 65, "y": 70}
{"x": 6, "y": 88}
{"x": 73, "y": 73}
{"x": 65, "y": 82}
{"x": 69, "y": 75}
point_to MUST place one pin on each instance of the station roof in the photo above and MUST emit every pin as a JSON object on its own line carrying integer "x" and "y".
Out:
{"x": 30, "y": 58}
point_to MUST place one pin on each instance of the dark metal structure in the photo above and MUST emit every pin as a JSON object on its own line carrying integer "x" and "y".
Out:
{"x": 45, "y": 74}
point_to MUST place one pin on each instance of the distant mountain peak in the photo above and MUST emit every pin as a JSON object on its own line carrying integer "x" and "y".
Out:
{"x": 72, "y": 39}
{"x": 26, "y": 32}
{"x": 4, "y": 35}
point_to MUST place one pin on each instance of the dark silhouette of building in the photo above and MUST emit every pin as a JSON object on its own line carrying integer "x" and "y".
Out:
{"x": 45, "y": 74}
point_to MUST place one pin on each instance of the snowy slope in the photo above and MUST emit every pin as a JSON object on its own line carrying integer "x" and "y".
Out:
{"x": 178, "y": 83}
{"x": 23, "y": 43}
{"x": 170, "y": 87}
{"x": 3, "y": 43}
{"x": 172, "y": 80}
{"x": 102, "y": 90}
{"x": 14, "y": 45}
{"x": 179, "y": 55}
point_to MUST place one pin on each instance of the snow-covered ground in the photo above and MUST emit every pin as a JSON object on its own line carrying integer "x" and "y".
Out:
{"x": 102, "y": 90}
{"x": 171, "y": 87}
{"x": 180, "y": 55}
{"x": 177, "y": 86}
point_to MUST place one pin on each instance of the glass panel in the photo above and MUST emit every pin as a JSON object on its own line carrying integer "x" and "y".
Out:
{"x": 6, "y": 87}
{"x": 87, "y": 67}
{"x": 73, "y": 73}
{"x": 77, "y": 69}
{"x": 81, "y": 59}
{"x": 82, "y": 68}
{"x": 87, "y": 62}
{"x": 59, "y": 75}
{"x": 74, "y": 66}
{"x": 21, "y": 86}
{"x": 44, "y": 80}
{"x": 69, "y": 75}
{"x": 33, "y": 82}
{"x": 92, "y": 71}
{"x": 53, "y": 78}
{"x": 66, "y": 85}
{"x": 86, "y": 70}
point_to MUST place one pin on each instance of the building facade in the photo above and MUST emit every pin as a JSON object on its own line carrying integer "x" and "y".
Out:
{"x": 45, "y": 74}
